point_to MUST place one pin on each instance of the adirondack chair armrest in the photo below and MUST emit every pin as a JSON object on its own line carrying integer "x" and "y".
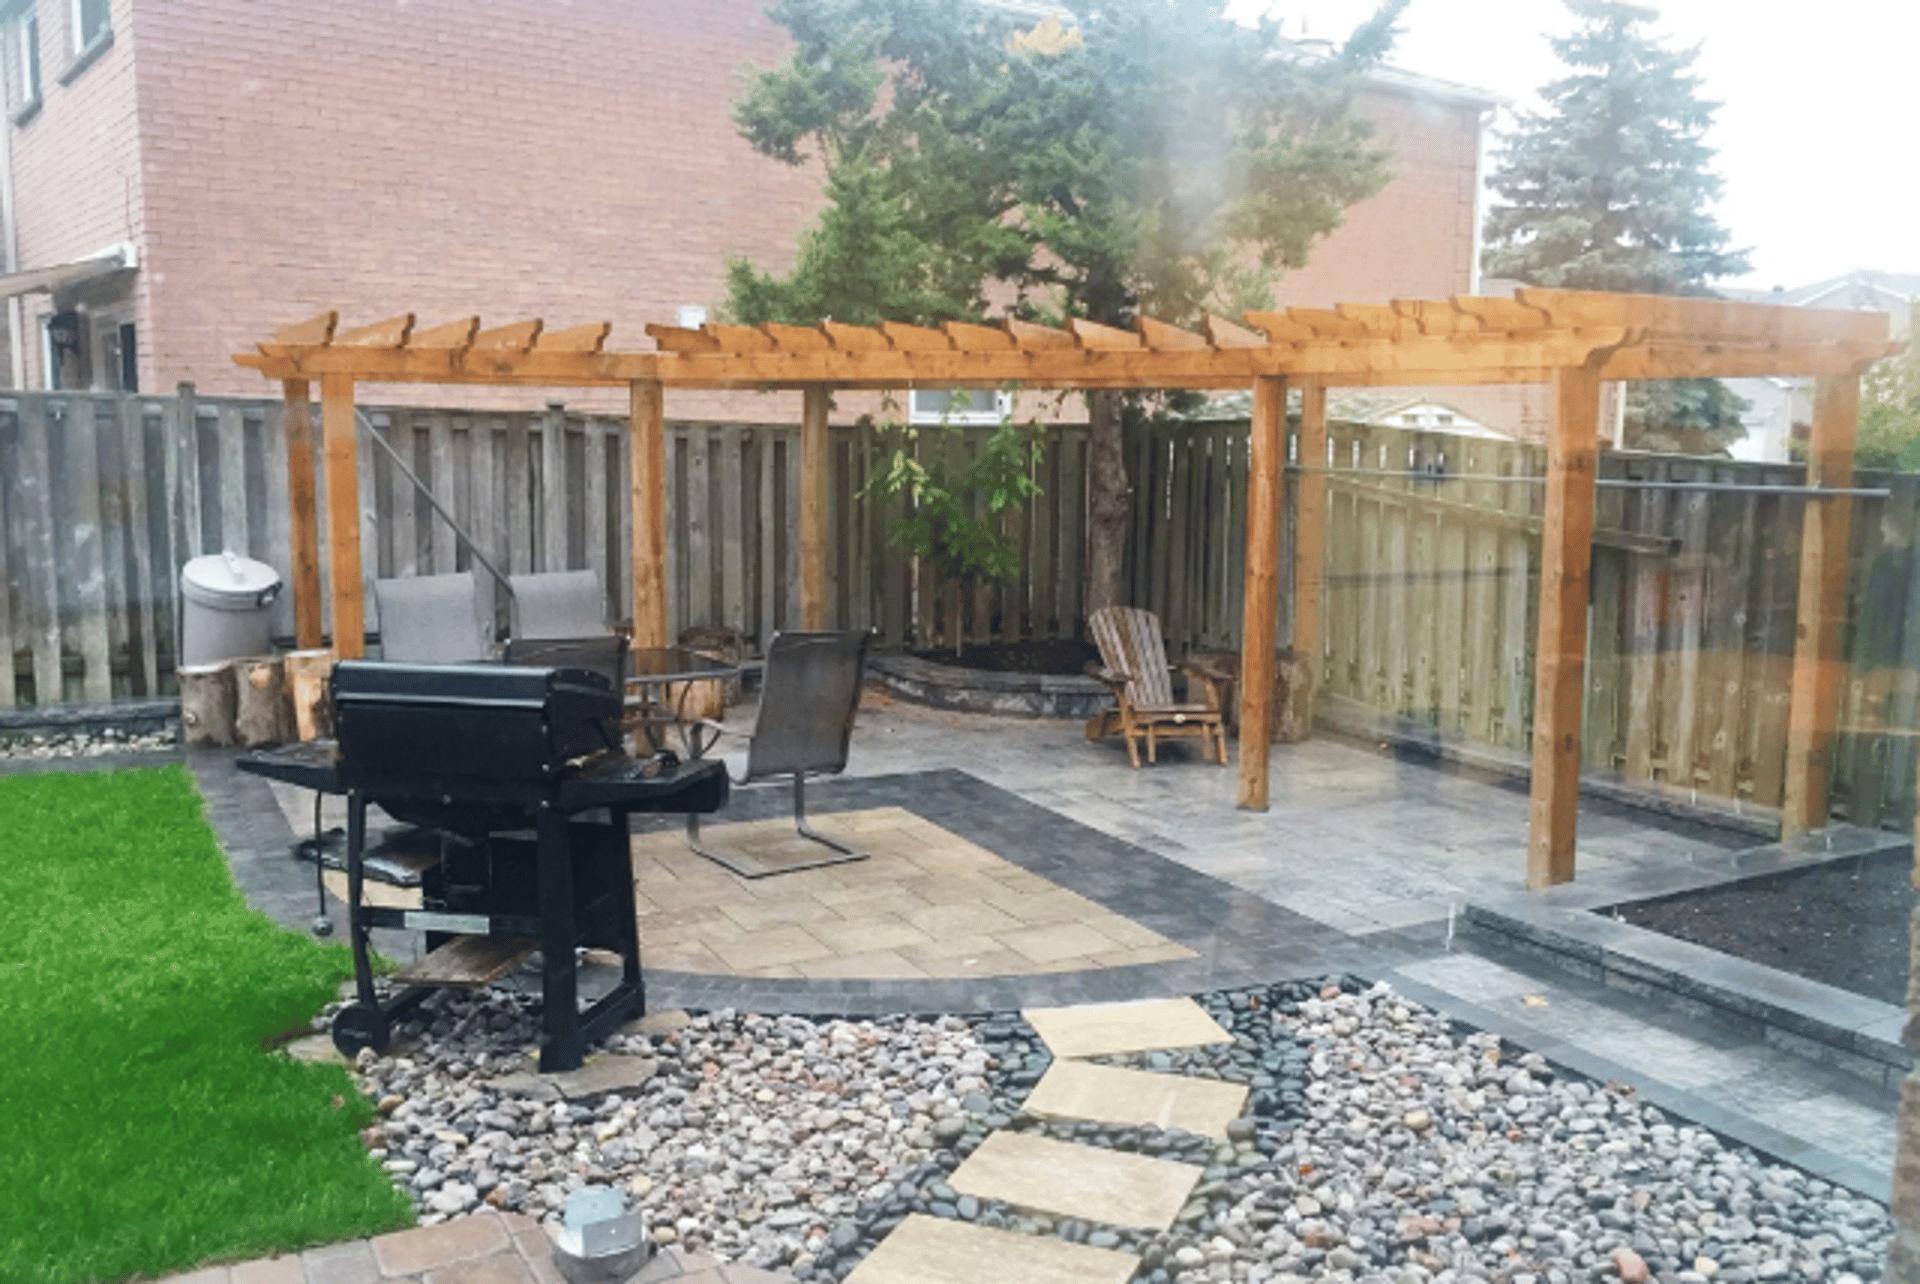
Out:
{"x": 1115, "y": 678}
{"x": 1217, "y": 679}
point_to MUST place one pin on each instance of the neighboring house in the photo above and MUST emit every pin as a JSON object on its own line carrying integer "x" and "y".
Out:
{"x": 181, "y": 177}
{"x": 1781, "y": 410}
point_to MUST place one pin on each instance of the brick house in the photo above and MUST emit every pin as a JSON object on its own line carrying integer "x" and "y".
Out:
{"x": 182, "y": 176}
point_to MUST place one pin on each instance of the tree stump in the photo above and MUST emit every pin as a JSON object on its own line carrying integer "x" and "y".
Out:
{"x": 207, "y": 698}
{"x": 307, "y": 674}
{"x": 1292, "y": 694}
{"x": 726, "y": 645}
{"x": 262, "y": 710}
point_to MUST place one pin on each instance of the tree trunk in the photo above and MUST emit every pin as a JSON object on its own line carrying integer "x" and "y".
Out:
{"x": 1108, "y": 501}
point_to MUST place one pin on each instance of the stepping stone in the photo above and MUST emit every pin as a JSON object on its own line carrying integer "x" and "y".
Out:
{"x": 935, "y": 1250}
{"x": 1071, "y": 1180}
{"x": 1107, "y": 1094}
{"x": 1103, "y": 1029}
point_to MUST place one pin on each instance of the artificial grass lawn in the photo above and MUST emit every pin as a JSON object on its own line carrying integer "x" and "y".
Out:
{"x": 143, "y": 1129}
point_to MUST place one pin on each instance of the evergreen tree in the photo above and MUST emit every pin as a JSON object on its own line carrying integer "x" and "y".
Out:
{"x": 1141, "y": 156}
{"x": 1612, "y": 189}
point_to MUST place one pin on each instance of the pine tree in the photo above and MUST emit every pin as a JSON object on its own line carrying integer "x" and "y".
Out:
{"x": 1612, "y": 188}
{"x": 1141, "y": 156}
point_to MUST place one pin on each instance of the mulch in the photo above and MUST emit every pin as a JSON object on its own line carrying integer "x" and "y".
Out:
{"x": 1844, "y": 923}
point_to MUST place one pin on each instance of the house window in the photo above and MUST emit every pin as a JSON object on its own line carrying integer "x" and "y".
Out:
{"x": 25, "y": 38}
{"x": 90, "y": 23}
{"x": 960, "y": 406}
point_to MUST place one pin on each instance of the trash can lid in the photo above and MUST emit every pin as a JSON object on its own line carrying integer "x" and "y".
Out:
{"x": 228, "y": 582}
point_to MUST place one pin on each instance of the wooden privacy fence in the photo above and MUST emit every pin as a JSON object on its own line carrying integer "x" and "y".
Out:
{"x": 1431, "y": 578}
{"x": 1431, "y": 602}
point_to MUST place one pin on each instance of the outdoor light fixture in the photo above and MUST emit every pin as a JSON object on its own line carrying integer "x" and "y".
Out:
{"x": 600, "y": 1239}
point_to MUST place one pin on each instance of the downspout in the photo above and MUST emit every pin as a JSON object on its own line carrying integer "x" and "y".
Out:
{"x": 10, "y": 258}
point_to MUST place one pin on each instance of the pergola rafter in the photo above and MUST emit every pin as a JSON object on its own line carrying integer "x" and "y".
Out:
{"x": 1571, "y": 340}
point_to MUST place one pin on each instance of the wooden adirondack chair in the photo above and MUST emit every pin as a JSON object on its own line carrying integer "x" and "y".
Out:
{"x": 1134, "y": 663}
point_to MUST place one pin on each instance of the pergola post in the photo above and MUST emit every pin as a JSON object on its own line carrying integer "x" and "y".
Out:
{"x": 1266, "y": 457}
{"x": 1560, "y": 654}
{"x": 1817, "y": 660}
{"x": 303, "y": 514}
{"x": 813, "y": 506}
{"x": 1310, "y": 544}
{"x": 647, "y": 502}
{"x": 340, "y": 438}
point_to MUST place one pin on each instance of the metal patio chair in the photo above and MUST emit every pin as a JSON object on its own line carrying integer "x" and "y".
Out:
{"x": 432, "y": 619}
{"x": 558, "y": 604}
{"x": 809, "y": 693}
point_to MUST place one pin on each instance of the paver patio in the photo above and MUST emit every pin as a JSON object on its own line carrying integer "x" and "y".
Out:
{"x": 991, "y": 833}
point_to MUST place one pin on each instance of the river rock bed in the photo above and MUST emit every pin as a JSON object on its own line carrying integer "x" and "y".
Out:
{"x": 1379, "y": 1144}
{"x": 85, "y": 742}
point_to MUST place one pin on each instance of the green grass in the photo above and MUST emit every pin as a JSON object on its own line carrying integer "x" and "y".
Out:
{"x": 143, "y": 1129}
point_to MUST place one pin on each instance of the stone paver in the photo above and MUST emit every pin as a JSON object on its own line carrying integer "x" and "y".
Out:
{"x": 933, "y": 1250}
{"x": 1108, "y": 1094}
{"x": 427, "y": 1248}
{"x": 269, "y": 1270}
{"x": 1070, "y": 1180}
{"x": 349, "y": 1263}
{"x": 1104, "y": 1029}
{"x": 926, "y": 904}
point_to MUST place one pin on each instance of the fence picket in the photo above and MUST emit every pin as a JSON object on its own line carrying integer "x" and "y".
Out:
{"x": 40, "y": 563}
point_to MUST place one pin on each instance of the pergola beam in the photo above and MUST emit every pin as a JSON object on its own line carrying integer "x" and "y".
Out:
{"x": 1569, "y": 339}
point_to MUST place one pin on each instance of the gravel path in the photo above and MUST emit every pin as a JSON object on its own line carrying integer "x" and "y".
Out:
{"x": 1379, "y": 1145}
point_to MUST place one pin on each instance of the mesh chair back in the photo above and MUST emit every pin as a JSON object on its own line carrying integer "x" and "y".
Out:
{"x": 808, "y": 696}
{"x": 1130, "y": 643}
{"x": 431, "y": 619}
{"x": 558, "y": 604}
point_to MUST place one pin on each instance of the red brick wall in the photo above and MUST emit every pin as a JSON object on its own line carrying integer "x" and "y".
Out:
{"x": 575, "y": 162}
{"x": 1413, "y": 240}
{"x": 572, "y": 161}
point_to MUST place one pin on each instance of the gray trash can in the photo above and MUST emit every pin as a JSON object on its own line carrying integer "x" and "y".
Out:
{"x": 226, "y": 609}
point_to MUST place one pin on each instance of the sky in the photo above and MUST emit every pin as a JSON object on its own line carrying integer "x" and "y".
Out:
{"x": 1818, "y": 132}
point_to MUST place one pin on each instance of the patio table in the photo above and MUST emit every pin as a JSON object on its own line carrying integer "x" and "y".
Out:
{"x": 660, "y": 684}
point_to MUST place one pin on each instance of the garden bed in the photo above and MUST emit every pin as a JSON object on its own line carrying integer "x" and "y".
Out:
{"x": 1843, "y": 923}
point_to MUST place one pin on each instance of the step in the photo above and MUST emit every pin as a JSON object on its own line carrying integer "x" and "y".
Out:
{"x": 1108, "y": 1029}
{"x": 936, "y": 1250}
{"x": 1070, "y": 1180}
{"x": 1107, "y": 1094}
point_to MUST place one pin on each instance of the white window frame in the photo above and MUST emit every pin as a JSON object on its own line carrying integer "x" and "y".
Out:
{"x": 987, "y": 406}
{"x": 84, "y": 40}
{"x": 26, "y": 53}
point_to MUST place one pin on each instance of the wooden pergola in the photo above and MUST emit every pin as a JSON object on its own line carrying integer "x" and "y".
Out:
{"x": 1573, "y": 341}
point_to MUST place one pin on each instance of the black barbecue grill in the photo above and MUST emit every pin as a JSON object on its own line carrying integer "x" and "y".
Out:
{"x": 520, "y": 773}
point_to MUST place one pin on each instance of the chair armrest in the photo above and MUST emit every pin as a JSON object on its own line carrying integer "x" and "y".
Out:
{"x": 1216, "y": 679}
{"x": 1115, "y": 678}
